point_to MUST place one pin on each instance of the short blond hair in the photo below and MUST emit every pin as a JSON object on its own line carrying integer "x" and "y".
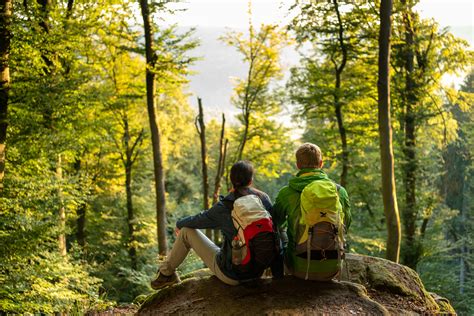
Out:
{"x": 308, "y": 156}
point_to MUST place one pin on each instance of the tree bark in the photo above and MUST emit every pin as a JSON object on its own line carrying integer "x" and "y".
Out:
{"x": 337, "y": 92}
{"x": 128, "y": 164}
{"x": 412, "y": 251}
{"x": 389, "y": 193}
{"x": 132, "y": 251}
{"x": 201, "y": 129}
{"x": 155, "y": 132}
{"x": 45, "y": 6}
{"x": 6, "y": 7}
{"x": 70, "y": 5}
{"x": 220, "y": 164}
{"x": 219, "y": 173}
{"x": 81, "y": 224}
{"x": 244, "y": 136}
{"x": 81, "y": 210}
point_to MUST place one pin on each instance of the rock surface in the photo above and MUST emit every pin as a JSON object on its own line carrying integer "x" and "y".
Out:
{"x": 369, "y": 286}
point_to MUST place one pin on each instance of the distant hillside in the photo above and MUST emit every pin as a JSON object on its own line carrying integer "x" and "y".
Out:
{"x": 218, "y": 63}
{"x": 214, "y": 72}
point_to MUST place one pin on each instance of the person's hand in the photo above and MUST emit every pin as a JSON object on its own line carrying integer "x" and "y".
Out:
{"x": 176, "y": 231}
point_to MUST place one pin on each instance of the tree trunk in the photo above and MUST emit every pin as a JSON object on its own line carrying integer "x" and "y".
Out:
{"x": 219, "y": 173}
{"x": 81, "y": 224}
{"x": 6, "y": 7}
{"x": 244, "y": 136}
{"x": 81, "y": 209}
{"x": 128, "y": 164}
{"x": 61, "y": 210}
{"x": 132, "y": 251}
{"x": 220, "y": 164}
{"x": 389, "y": 193}
{"x": 45, "y": 6}
{"x": 412, "y": 249}
{"x": 155, "y": 132}
{"x": 70, "y": 5}
{"x": 201, "y": 129}
{"x": 337, "y": 93}
{"x": 465, "y": 253}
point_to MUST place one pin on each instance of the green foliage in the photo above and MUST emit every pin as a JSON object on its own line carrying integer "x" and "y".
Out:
{"x": 78, "y": 91}
{"x": 35, "y": 278}
{"x": 312, "y": 89}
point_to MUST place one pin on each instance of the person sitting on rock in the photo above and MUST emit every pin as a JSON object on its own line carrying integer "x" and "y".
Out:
{"x": 311, "y": 212}
{"x": 221, "y": 261}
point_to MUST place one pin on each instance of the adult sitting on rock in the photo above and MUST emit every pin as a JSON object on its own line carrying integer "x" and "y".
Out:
{"x": 312, "y": 210}
{"x": 223, "y": 262}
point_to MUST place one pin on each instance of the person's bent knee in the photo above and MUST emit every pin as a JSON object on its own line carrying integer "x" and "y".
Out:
{"x": 184, "y": 234}
{"x": 185, "y": 230}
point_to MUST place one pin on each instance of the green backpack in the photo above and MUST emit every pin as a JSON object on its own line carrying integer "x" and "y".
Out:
{"x": 320, "y": 231}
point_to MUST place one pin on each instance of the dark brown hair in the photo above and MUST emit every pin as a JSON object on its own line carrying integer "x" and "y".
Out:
{"x": 241, "y": 175}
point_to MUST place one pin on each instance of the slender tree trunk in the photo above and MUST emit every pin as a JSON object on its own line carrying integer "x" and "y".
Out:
{"x": 45, "y": 7}
{"x": 337, "y": 93}
{"x": 412, "y": 250}
{"x": 128, "y": 164}
{"x": 464, "y": 248}
{"x": 244, "y": 136}
{"x": 201, "y": 129}
{"x": 220, "y": 165}
{"x": 81, "y": 224}
{"x": 69, "y": 8}
{"x": 132, "y": 250}
{"x": 342, "y": 133}
{"x": 465, "y": 233}
{"x": 70, "y": 5}
{"x": 61, "y": 210}
{"x": 219, "y": 173}
{"x": 155, "y": 132}
{"x": 81, "y": 210}
{"x": 6, "y": 7}
{"x": 389, "y": 193}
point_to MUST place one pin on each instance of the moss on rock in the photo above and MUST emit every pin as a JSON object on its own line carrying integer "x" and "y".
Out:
{"x": 372, "y": 286}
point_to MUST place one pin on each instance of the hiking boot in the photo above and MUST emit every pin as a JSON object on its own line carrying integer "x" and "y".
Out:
{"x": 162, "y": 280}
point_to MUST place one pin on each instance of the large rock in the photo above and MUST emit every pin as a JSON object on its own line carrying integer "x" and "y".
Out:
{"x": 369, "y": 286}
{"x": 395, "y": 286}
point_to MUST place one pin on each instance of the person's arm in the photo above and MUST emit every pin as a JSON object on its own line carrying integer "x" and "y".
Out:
{"x": 346, "y": 207}
{"x": 267, "y": 203}
{"x": 205, "y": 219}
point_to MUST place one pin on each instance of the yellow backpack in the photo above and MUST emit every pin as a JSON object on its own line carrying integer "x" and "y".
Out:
{"x": 320, "y": 230}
